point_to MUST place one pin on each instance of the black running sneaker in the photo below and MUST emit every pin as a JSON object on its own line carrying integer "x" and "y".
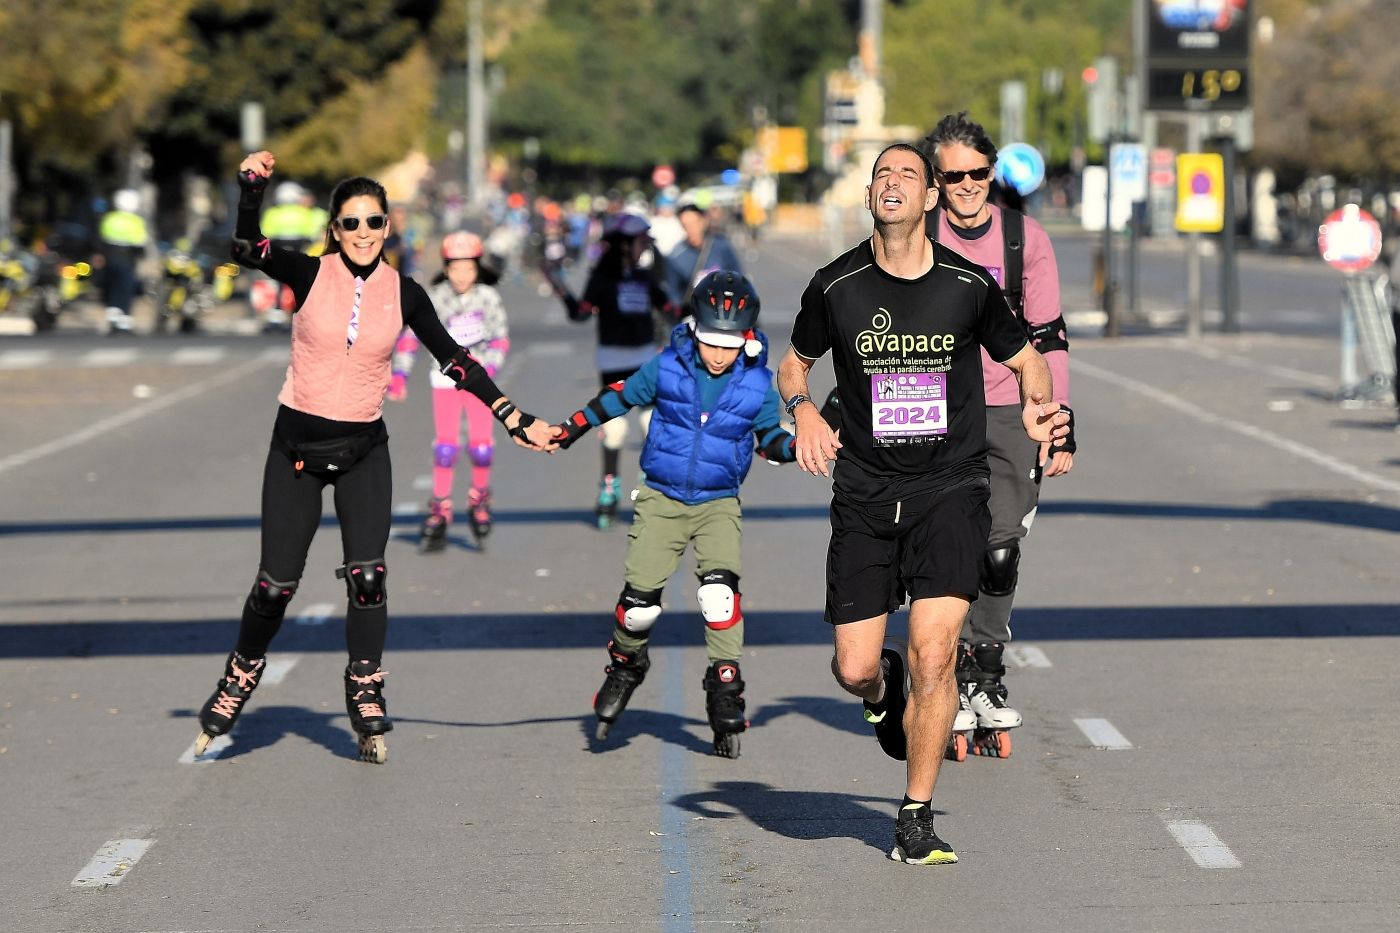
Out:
{"x": 915, "y": 842}
{"x": 888, "y": 717}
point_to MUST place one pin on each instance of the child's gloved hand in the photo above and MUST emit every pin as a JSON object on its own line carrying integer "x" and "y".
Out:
{"x": 571, "y": 429}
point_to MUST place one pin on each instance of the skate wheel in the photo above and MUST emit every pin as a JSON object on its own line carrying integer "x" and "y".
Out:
{"x": 993, "y": 744}
{"x": 201, "y": 744}
{"x": 957, "y": 747}
{"x": 727, "y": 745}
{"x": 374, "y": 749}
{"x": 601, "y": 732}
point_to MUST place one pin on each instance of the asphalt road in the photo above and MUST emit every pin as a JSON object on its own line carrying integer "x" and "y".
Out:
{"x": 1206, "y": 640}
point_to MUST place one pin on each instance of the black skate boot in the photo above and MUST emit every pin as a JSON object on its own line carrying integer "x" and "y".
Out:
{"x": 724, "y": 705}
{"x": 479, "y": 500}
{"x": 915, "y": 842}
{"x": 888, "y": 717}
{"x": 965, "y": 721}
{"x": 433, "y": 535}
{"x": 221, "y": 711}
{"x": 606, "y": 511}
{"x": 369, "y": 715}
{"x": 986, "y": 695}
{"x": 625, "y": 674}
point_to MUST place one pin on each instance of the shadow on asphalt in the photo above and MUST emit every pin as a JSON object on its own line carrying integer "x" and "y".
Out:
{"x": 522, "y": 632}
{"x": 264, "y": 726}
{"x": 798, "y": 814}
{"x": 1325, "y": 511}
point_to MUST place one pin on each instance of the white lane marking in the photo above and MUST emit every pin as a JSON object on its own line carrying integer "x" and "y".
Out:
{"x": 1026, "y": 656}
{"x": 1239, "y": 427}
{"x": 278, "y": 668}
{"x": 1202, "y": 844}
{"x": 133, "y": 414}
{"x": 1280, "y": 372}
{"x": 24, "y": 359}
{"x": 197, "y": 356}
{"x": 112, "y": 863}
{"x": 107, "y": 357}
{"x": 316, "y": 614}
{"x": 406, "y": 509}
{"x": 423, "y": 481}
{"x": 1102, "y": 734}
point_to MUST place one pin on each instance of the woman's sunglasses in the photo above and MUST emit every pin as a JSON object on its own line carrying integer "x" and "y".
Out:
{"x": 978, "y": 174}
{"x": 351, "y": 224}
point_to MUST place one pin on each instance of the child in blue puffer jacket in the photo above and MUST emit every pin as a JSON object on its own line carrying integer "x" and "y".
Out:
{"x": 714, "y": 405}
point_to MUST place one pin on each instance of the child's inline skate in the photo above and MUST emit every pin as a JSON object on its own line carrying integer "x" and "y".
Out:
{"x": 625, "y": 674}
{"x": 724, "y": 705}
{"x": 433, "y": 535}
{"x": 606, "y": 511}
{"x": 479, "y": 500}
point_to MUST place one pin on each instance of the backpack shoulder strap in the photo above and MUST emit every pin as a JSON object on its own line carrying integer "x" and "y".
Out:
{"x": 1013, "y": 232}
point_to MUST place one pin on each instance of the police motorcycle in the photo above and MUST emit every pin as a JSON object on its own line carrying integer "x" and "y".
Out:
{"x": 190, "y": 285}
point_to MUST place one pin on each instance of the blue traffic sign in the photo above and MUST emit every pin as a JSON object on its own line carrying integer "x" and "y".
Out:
{"x": 1020, "y": 167}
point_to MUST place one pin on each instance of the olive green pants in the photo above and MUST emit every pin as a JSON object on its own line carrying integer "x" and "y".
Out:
{"x": 661, "y": 529}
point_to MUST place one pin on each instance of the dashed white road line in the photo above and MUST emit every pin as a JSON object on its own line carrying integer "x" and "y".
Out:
{"x": 1202, "y": 844}
{"x": 1102, "y": 734}
{"x": 197, "y": 356}
{"x": 316, "y": 614}
{"x": 1026, "y": 656}
{"x": 112, "y": 863}
{"x": 24, "y": 359}
{"x": 277, "y": 669}
{"x": 110, "y": 356}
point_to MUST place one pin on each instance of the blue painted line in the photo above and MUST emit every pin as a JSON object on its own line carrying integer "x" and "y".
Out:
{"x": 679, "y": 913}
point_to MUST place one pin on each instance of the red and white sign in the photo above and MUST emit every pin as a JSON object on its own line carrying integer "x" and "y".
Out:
{"x": 1349, "y": 239}
{"x": 663, "y": 175}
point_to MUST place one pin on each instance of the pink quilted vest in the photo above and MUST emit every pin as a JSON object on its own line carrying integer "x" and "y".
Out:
{"x": 325, "y": 377}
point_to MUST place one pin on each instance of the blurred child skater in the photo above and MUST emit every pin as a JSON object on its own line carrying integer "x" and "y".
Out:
{"x": 471, "y": 310}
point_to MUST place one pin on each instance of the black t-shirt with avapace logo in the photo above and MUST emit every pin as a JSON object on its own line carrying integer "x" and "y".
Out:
{"x": 908, "y": 370}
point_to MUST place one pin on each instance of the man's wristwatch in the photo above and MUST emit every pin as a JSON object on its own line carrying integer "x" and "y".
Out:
{"x": 795, "y": 401}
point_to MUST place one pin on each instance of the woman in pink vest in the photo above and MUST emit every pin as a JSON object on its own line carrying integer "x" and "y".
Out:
{"x": 329, "y": 431}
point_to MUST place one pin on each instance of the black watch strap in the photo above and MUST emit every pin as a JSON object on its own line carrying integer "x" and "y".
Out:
{"x": 796, "y": 400}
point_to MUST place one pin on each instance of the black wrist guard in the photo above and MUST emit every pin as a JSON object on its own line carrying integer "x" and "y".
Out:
{"x": 504, "y": 411}
{"x": 249, "y": 254}
{"x": 519, "y": 430}
{"x": 252, "y": 181}
{"x": 1066, "y": 443}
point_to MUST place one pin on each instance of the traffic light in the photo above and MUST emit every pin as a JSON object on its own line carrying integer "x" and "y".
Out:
{"x": 1103, "y": 97}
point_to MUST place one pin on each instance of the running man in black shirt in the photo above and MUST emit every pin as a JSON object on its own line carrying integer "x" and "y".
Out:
{"x": 904, "y": 318}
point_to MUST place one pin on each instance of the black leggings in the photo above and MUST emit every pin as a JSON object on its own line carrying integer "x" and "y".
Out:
{"x": 291, "y": 513}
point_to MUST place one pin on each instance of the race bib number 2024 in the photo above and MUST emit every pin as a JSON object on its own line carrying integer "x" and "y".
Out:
{"x": 907, "y": 408}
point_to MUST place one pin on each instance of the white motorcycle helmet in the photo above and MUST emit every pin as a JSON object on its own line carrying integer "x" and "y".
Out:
{"x": 127, "y": 200}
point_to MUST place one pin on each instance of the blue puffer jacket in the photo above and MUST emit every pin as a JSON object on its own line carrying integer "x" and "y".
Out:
{"x": 693, "y": 462}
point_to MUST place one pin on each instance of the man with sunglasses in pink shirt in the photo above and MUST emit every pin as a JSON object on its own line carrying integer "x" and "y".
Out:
{"x": 1011, "y": 246}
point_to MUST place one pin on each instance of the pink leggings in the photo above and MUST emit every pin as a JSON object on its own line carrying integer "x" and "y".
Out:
{"x": 450, "y": 408}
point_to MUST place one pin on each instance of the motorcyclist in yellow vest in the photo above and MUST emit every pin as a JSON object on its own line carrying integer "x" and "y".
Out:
{"x": 124, "y": 236}
{"x": 287, "y": 225}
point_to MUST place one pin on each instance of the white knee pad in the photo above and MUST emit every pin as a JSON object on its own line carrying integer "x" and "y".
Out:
{"x": 614, "y": 433}
{"x": 719, "y": 599}
{"x": 637, "y": 610}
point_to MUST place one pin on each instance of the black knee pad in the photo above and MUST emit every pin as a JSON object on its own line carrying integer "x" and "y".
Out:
{"x": 269, "y": 597}
{"x": 998, "y": 569}
{"x": 364, "y": 582}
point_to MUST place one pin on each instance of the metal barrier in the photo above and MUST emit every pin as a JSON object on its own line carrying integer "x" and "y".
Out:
{"x": 1366, "y": 324}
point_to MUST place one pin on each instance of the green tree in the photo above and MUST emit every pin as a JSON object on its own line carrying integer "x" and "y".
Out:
{"x": 942, "y": 56}
{"x": 80, "y": 79}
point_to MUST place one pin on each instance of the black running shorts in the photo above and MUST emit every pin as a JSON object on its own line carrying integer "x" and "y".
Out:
{"x": 924, "y": 547}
